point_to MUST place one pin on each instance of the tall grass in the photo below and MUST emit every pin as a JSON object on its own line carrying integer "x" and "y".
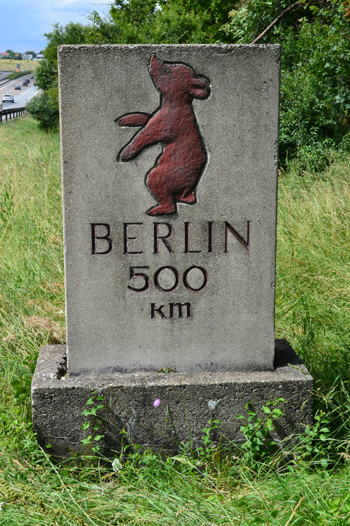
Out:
{"x": 31, "y": 260}
{"x": 217, "y": 488}
{"x": 313, "y": 269}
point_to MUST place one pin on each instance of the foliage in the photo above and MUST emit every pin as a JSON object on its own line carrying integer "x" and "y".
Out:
{"x": 44, "y": 108}
{"x": 18, "y": 74}
{"x": 249, "y": 18}
{"x": 206, "y": 451}
{"x": 315, "y": 95}
{"x": 163, "y": 22}
{"x": 46, "y": 74}
{"x": 315, "y": 80}
{"x": 71, "y": 33}
{"x": 12, "y": 55}
{"x": 316, "y": 442}
{"x": 257, "y": 431}
{"x": 94, "y": 423}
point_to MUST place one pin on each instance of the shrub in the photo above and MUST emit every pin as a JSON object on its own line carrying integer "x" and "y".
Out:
{"x": 46, "y": 74}
{"x": 44, "y": 108}
{"x": 315, "y": 76}
{"x": 17, "y": 74}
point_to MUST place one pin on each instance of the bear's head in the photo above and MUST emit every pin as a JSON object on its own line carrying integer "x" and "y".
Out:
{"x": 177, "y": 81}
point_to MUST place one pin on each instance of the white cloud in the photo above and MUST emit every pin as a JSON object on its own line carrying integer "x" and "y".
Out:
{"x": 24, "y": 27}
{"x": 82, "y": 6}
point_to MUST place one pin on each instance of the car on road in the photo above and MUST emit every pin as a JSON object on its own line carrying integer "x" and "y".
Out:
{"x": 8, "y": 98}
{"x": 25, "y": 82}
{"x": 17, "y": 86}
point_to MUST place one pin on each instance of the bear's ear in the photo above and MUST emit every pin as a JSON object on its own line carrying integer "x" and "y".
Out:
{"x": 198, "y": 89}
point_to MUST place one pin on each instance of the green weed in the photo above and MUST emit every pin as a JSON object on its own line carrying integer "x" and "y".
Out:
{"x": 94, "y": 423}
{"x": 258, "y": 432}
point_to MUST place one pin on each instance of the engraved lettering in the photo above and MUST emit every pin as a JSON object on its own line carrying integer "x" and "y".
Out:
{"x": 106, "y": 237}
{"x": 187, "y": 241}
{"x": 210, "y": 236}
{"x": 180, "y": 306}
{"x": 230, "y": 228}
{"x": 205, "y": 278}
{"x": 145, "y": 278}
{"x": 154, "y": 310}
{"x": 164, "y": 238}
{"x": 129, "y": 238}
{"x": 156, "y": 279}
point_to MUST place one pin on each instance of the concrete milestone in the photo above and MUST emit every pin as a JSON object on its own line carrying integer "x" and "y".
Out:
{"x": 169, "y": 192}
{"x": 169, "y": 160}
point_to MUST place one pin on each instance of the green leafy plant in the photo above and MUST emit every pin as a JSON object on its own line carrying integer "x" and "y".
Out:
{"x": 316, "y": 442}
{"x": 93, "y": 422}
{"x": 46, "y": 74}
{"x": 257, "y": 431}
{"x": 206, "y": 451}
{"x": 44, "y": 108}
{"x": 315, "y": 95}
{"x": 21, "y": 383}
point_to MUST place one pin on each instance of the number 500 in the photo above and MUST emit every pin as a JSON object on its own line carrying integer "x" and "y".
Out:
{"x": 134, "y": 273}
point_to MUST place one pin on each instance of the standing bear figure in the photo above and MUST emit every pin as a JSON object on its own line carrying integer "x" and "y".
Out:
{"x": 178, "y": 169}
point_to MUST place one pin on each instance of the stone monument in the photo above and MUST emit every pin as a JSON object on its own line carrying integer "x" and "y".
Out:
{"x": 169, "y": 163}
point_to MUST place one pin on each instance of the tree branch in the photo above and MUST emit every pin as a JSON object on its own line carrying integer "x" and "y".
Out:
{"x": 280, "y": 16}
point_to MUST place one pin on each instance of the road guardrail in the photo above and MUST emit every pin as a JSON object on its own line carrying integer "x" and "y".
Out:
{"x": 11, "y": 113}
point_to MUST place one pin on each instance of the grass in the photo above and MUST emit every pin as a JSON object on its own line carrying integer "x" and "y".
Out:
{"x": 313, "y": 269}
{"x": 11, "y": 65}
{"x": 214, "y": 489}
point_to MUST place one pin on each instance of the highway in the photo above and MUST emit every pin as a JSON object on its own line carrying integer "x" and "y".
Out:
{"x": 21, "y": 96}
{"x": 3, "y": 76}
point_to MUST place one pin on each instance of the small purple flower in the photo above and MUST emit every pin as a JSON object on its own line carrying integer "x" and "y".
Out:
{"x": 156, "y": 403}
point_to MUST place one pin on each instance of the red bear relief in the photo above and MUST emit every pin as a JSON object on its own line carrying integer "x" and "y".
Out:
{"x": 178, "y": 169}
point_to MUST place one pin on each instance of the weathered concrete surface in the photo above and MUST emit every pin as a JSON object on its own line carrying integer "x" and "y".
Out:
{"x": 231, "y": 325}
{"x": 187, "y": 402}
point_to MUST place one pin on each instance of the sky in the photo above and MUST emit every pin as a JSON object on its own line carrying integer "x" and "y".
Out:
{"x": 23, "y": 25}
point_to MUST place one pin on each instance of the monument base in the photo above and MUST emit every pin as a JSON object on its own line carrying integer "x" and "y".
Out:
{"x": 161, "y": 410}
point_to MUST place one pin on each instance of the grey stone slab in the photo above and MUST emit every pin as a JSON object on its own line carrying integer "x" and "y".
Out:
{"x": 187, "y": 402}
{"x": 229, "y": 325}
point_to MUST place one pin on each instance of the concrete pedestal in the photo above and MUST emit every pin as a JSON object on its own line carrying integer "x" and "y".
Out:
{"x": 187, "y": 402}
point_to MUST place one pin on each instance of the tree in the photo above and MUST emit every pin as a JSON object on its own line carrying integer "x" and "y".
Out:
{"x": 45, "y": 108}
{"x": 315, "y": 78}
{"x": 46, "y": 74}
{"x": 165, "y": 21}
{"x": 72, "y": 33}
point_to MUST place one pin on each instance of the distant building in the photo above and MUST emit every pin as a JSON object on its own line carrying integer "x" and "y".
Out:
{"x": 4, "y": 55}
{"x": 39, "y": 57}
{"x": 27, "y": 56}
